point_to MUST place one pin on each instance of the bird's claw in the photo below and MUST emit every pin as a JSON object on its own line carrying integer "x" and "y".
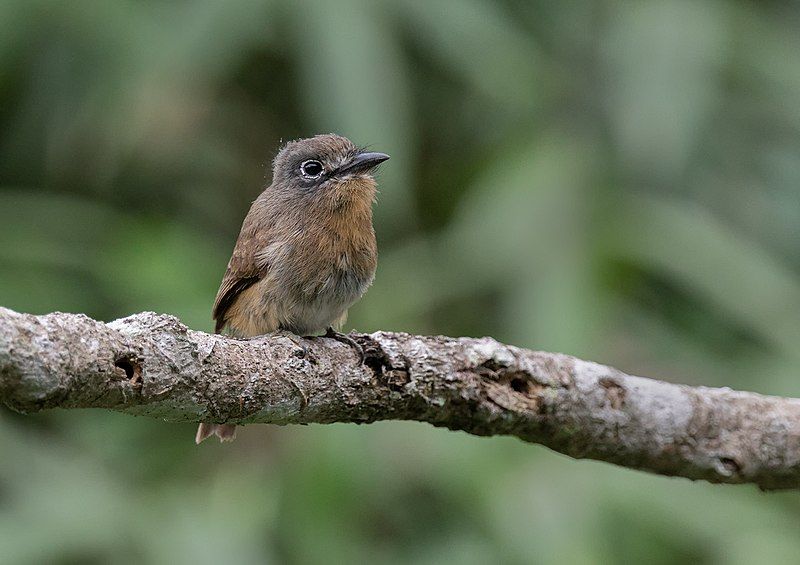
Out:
{"x": 346, "y": 339}
{"x": 304, "y": 353}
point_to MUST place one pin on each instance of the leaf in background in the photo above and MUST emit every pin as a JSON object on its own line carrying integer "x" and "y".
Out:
{"x": 480, "y": 41}
{"x": 52, "y": 229}
{"x": 663, "y": 63}
{"x": 168, "y": 268}
{"x": 50, "y": 244}
{"x": 528, "y": 227}
{"x": 688, "y": 245}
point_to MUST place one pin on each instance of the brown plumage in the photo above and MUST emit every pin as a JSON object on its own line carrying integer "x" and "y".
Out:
{"x": 306, "y": 251}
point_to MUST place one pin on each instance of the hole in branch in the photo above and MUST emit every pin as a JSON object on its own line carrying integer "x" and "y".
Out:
{"x": 519, "y": 384}
{"x": 729, "y": 465}
{"x": 132, "y": 369}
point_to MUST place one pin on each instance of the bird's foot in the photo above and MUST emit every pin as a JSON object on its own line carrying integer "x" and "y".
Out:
{"x": 344, "y": 338}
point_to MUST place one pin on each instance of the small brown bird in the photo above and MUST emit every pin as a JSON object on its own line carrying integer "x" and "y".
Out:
{"x": 306, "y": 251}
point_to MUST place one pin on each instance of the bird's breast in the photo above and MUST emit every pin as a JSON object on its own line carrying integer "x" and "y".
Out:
{"x": 333, "y": 266}
{"x": 317, "y": 274}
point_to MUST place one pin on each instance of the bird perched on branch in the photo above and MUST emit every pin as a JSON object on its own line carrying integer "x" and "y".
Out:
{"x": 306, "y": 251}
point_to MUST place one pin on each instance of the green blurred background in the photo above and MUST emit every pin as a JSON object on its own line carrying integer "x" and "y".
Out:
{"x": 618, "y": 181}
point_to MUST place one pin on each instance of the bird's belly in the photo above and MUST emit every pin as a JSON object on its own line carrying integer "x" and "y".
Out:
{"x": 309, "y": 306}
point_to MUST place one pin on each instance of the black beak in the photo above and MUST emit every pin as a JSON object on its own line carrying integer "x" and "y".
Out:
{"x": 362, "y": 163}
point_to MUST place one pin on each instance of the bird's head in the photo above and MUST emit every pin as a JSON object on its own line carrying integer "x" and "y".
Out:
{"x": 326, "y": 167}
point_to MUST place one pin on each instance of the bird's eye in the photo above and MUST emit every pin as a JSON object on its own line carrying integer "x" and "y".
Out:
{"x": 311, "y": 169}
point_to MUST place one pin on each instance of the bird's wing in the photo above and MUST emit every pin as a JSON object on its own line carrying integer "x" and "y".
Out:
{"x": 243, "y": 268}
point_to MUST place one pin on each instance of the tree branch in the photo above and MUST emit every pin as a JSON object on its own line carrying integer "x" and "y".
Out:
{"x": 150, "y": 364}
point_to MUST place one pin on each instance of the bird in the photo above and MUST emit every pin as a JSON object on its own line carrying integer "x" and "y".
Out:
{"x": 306, "y": 251}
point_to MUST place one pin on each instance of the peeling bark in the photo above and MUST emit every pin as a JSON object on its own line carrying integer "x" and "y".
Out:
{"x": 152, "y": 365}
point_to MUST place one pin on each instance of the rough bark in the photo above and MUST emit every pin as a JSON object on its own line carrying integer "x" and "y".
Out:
{"x": 150, "y": 364}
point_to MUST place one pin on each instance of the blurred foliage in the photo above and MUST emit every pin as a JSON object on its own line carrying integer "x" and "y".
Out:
{"x": 619, "y": 181}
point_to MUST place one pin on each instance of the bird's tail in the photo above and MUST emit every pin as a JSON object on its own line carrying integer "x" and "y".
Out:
{"x": 225, "y": 432}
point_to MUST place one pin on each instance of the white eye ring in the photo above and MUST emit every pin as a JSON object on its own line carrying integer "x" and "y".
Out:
{"x": 311, "y": 169}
